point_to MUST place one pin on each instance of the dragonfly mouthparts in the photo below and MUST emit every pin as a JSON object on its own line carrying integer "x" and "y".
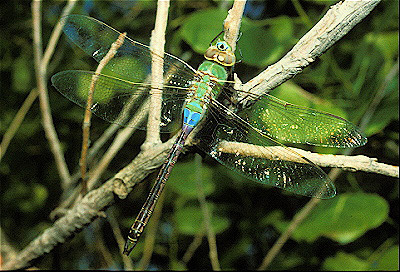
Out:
{"x": 129, "y": 246}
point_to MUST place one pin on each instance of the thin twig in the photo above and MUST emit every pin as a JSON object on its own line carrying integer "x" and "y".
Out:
{"x": 350, "y": 162}
{"x": 118, "y": 142}
{"x": 88, "y": 114}
{"x": 86, "y": 210}
{"x": 98, "y": 144}
{"x": 19, "y": 117}
{"x": 298, "y": 218}
{"x": 90, "y": 206}
{"x": 100, "y": 245}
{"x": 16, "y": 122}
{"x": 96, "y": 172}
{"x": 212, "y": 242}
{"x": 128, "y": 265}
{"x": 394, "y": 72}
{"x": 41, "y": 80}
{"x": 197, "y": 240}
{"x": 55, "y": 35}
{"x": 302, "y": 215}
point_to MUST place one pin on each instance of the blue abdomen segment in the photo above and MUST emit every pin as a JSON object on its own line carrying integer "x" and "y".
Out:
{"x": 191, "y": 118}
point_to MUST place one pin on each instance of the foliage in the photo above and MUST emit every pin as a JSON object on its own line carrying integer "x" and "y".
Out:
{"x": 356, "y": 230}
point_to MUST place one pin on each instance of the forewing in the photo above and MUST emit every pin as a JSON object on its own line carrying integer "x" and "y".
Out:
{"x": 132, "y": 60}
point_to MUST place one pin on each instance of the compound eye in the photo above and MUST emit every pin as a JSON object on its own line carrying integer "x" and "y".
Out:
{"x": 222, "y": 46}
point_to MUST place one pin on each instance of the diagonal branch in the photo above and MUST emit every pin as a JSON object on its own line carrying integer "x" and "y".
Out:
{"x": 91, "y": 206}
{"x": 336, "y": 23}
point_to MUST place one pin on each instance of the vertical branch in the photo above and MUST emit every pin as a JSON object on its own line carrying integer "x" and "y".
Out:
{"x": 380, "y": 94}
{"x": 212, "y": 243}
{"x": 40, "y": 72}
{"x": 157, "y": 46}
{"x": 118, "y": 142}
{"x": 197, "y": 240}
{"x": 307, "y": 209}
{"x": 86, "y": 122}
{"x": 232, "y": 23}
{"x": 128, "y": 264}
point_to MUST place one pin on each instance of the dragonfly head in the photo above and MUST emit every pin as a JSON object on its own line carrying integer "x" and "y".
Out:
{"x": 221, "y": 52}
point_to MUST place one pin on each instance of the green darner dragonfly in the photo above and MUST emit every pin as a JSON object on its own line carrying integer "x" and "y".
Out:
{"x": 245, "y": 140}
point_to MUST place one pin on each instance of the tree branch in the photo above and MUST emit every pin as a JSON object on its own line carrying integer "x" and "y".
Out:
{"x": 350, "y": 163}
{"x": 90, "y": 206}
{"x": 232, "y": 23}
{"x": 157, "y": 43}
{"x": 88, "y": 114}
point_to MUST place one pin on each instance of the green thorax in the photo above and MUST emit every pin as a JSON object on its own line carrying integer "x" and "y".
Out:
{"x": 213, "y": 73}
{"x": 210, "y": 71}
{"x": 215, "y": 69}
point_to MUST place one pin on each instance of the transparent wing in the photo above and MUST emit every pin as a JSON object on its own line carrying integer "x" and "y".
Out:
{"x": 245, "y": 149}
{"x": 132, "y": 61}
{"x": 296, "y": 124}
{"x": 116, "y": 100}
{"x": 124, "y": 87}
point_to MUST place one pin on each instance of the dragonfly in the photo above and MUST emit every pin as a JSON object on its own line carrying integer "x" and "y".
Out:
{"x": 248, "y": 140}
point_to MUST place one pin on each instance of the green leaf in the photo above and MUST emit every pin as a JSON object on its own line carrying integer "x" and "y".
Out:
{"x": 28, "y": 199}
{"x": 294, "y": 94}
{"x": 259, "y": 46}
{"x": 387, "y": 111}
{"x": 343, "y": 261}
{"x": 256, "y": 49}
{"x": 388, "y": 261}
{"x": 184, "y": 176}
{"x": 388, "y": 43}
{"x": 262, "y": 46}
{"x": 282, "y": 28}
{"x": 190, "y": 219}
{"x": 344, "y": 218}
{"x": 200, "y": 28}
{"x": 21, "y": 74}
